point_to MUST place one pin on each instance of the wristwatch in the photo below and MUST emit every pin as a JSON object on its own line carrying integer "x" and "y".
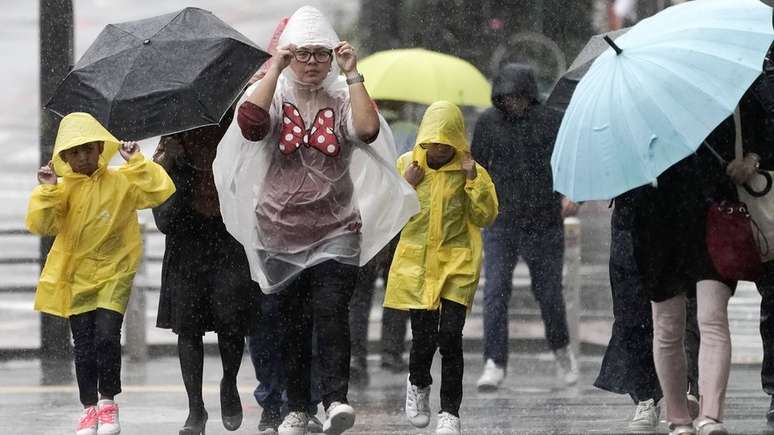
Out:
{"x": 356, "y": 79}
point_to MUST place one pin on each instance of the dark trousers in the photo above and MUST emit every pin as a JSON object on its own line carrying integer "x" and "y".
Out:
{"x": 543, "y": 251}
{"x": 440, "y": 329}
{"x": 766, "y": 288}
{"x": 267, "y": 346}
{"x": 97, "y": 352}
{"x": 393, "y": 321}
{"x": 627, "y": 367}
{"x": 318, "y": 300}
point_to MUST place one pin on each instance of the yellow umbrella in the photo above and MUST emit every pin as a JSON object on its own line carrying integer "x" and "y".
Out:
{"x": 422, "y": 76}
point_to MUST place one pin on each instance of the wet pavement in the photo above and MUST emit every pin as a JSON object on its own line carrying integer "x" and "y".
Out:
{"x": 532, "y": 401}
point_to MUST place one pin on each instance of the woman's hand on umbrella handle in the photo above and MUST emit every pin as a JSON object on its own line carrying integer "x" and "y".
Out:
{"x": 128, "y": 149}
{"x": 742, "y": 170}
{"x": 414, "y": 174}
{"x": 346, "y": 56}
{"x": 46, "y": 174}
{"x": 282, "y": 59}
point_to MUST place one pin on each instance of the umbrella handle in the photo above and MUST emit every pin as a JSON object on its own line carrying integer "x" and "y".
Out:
{"x": 763, "y": 191}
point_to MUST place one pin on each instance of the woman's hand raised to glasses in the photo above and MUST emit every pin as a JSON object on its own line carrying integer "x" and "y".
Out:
{"x": 284, "y": 56}
{"x": 346, "y": 56}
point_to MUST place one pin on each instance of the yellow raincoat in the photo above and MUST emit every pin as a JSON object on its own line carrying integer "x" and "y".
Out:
{"x": 94, "y": 218}
{"x": 439, "y": 253}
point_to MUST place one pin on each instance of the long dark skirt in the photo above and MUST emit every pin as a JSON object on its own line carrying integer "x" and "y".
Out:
{"x": 206, "y": 286}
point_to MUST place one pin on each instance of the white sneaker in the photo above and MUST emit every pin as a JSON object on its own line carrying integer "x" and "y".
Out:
{"x": 87, "y": 423}
{"x": 417, "y": 404}
{"x": 645, "y": 417}
{"x": 448, "y": 424}
{"x": 566, "y": 366}
{"x": 294, "y": 424}
{"x": 492, "y": 377}
{"x": 107, "y": 414}
{"x": 341, "y": 417}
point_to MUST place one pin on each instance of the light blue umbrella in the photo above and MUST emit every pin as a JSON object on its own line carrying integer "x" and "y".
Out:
{"x": 652, "y": 98}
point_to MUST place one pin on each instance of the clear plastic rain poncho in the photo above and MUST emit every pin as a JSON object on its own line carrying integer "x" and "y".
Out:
{"x": 310, "y": 191}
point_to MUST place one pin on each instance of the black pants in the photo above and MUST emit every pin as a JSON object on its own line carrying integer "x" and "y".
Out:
{"x": 766, "y": 288}
{"x": 542, "y": 248}
{"x": 318, "y": 300}
{"x": 440, "y": 329}
{"x": 97, "y": 350}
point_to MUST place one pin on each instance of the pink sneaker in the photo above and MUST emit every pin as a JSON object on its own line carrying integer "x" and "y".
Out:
{"x": 87, "y": 424}
{"x": 107, "y": 414}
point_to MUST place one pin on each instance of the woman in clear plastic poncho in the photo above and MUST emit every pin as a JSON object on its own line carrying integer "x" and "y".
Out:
{"x": 306, "y": 184}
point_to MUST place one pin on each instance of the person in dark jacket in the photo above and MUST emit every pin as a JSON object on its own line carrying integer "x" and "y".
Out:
{"x": 514, "y": 140}
{"x": 205, "y": 283}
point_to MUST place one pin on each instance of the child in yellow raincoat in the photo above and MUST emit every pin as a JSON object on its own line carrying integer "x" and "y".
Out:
{"x": 92, "y": 211}
{"x": 437, "y": 263}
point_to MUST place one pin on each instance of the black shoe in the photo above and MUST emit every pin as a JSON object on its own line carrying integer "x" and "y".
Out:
{"x": 394, "y": 363}
{"x": 770, "y": 414}
{"x": 230, "y": 406}
{"x": 358, "y": 373}
{"x": 270, "y": 421}
{"x": 194, "y": 425}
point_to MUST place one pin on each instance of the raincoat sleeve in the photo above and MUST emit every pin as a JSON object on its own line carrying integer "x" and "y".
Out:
{"x": 46, "y": 209}
{"x": 482, "y": 198}
{"x": 150, "y": 183}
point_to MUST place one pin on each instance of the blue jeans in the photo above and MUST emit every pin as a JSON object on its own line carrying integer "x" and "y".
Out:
{"x": 543, "y": 250}
{"x": 266, "y": 347}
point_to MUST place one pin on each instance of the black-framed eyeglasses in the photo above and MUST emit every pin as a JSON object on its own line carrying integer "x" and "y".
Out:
{"x": 304, "y": 56}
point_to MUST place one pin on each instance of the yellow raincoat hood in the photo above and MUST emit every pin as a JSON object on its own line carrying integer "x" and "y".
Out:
{"x": 442, "y": 123}
{"x": 77, "y": 129}
{"x": 98, "y": 246}
{"x": 440, "y": 249}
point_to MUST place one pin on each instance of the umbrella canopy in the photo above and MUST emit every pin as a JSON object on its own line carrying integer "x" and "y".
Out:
{"x": 650, "y": 101}
{"x": 160, "y": 75}
{"x": 421, "y": 76}
{"x": 560, "y": 95}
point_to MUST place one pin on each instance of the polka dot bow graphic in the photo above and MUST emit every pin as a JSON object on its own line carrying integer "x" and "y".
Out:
{"x": 320, "y": 136}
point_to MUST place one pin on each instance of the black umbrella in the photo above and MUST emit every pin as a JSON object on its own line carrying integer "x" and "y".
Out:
{"x": 160, "y": 75}
{"x": 564, "y": 88}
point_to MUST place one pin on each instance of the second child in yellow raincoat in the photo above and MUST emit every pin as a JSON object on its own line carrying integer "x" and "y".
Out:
{"x": 437, "y": 263}
{"x": 92, "y": 212}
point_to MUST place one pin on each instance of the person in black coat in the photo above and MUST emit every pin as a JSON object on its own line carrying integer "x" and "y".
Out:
{"x": 514, "y": 140}
{"x": 205, "y": 284}
{"x": 669, "y": 246}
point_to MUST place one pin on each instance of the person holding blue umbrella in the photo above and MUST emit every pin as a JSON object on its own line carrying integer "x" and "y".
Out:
{"x": 636, "y": 119}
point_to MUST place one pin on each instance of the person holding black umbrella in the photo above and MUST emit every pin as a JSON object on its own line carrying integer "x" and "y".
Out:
{"x": 307, "y": 186}
{"x": 205, "y": 284}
